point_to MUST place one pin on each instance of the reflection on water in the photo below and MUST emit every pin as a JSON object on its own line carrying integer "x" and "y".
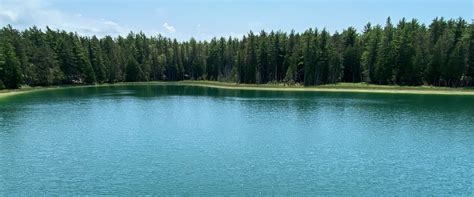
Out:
{"x": 155, "y": 139}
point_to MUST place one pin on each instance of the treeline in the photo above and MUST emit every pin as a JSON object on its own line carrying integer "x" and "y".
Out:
{"x": 408, "y": 53}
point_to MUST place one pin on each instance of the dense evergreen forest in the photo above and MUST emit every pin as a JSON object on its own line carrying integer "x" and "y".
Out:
{"x": 406, "y": 53}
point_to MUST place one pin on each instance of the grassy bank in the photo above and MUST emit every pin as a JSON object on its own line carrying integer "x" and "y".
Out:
{"x": 28, "y": 89}
{"x": 339, "y": 87}
{"x": 25, "y": 89}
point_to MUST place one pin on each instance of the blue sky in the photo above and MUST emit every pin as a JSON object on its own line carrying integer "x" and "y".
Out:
{"x": 203, "y": 19}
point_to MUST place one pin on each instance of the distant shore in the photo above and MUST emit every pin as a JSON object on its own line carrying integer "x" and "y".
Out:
{"x": 339, "y": 87}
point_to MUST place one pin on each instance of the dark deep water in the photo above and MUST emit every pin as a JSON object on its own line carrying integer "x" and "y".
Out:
{"x": 155, "y": 139}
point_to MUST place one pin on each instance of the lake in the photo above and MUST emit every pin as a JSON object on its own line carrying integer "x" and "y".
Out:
{"x": 183, "y": 140}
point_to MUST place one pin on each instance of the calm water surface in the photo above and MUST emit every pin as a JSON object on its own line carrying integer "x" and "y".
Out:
{"x": 155, "y": 139}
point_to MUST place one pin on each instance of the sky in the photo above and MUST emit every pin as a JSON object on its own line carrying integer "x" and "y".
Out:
{"x": 204, "y": 19}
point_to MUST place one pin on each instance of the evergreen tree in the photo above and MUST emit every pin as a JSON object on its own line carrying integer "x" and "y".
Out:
{"x": 403, "y": 72}
{"x": 351, "y": 56}
{"x": 113, "y": 59}
{"x": 214, "y": 60}
{"x": 369, "y": 56}
{"x": 132, "y": 73}
{"x": 251, "y": 61}
{"x": 385, "y": 56}
{"x": 81, "y": 62}
{"x": 46, "y": 67}
{"x": 2, "y": 62}
{"x": 322, "y": 72}
{"x": 97, "y": 62}
{"x": 290, "y": 62}
{"x": 409, "y": 53}
{"x": 262, "y": 58}
{"x": 470, "y": 64}
{"x": 10, "y": 68}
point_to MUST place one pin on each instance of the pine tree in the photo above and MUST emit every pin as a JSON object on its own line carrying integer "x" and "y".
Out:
{"x": 97, "y": 62}
{"x": 81, "y": 62}
{"x": 351, "y": 56}
{"x": 369, "y": 56}
{"x": 443, "y": 49}
{"x": 2, "y": 62}
{"x": 421, "y": 57}
{"x": 432, "y": 73}
{"x": 132, "y": 73}
{"x": 262, "y": 58}
{"x": 10, "y": 68}
{"x": 47, "y": 67}
{"x": 178, "y": 61}
{"x": 323, "y": 59}
{"x": 403, "y": 72}
{"x": 20, "y": 47}
{"x": 113, "y": 59}
{"x": 411, "y": 53}
{"x": 470, "y": 64}
{"x": 214, "y": 60}
{"x": 251, "y": 60}
{"x": 385, "y": 56}
{"x": 290, "y": 62}
{"x": 309, "y": 56}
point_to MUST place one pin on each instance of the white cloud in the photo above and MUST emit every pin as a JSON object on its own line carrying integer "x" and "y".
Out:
{"x": 7, "y": 15}
{"x": 169, "y": 28}
{"x": 26, "y": 13}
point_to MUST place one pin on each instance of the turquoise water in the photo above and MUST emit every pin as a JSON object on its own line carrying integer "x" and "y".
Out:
{"x": 155, "y": 139}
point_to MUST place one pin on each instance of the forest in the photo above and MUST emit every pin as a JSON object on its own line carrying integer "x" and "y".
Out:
{"x": 406, "y": 53}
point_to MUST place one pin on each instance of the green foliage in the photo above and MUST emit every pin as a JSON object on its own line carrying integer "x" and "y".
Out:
{"x": 97, "y": 61}
{"x": 409, "y": 53}
{"x": 82, "y": 63}
{"x": 2, "y": 62}
{"x": 10, "y": 73}
{"x": 133, "y": 71}
{"x": 351, "y": 56}
{"x": 470, "y": 38}
{"x": 251, "y": 61}
{"x": 385, "y": 60}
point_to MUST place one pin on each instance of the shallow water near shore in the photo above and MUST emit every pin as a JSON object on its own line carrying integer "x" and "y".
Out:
{"x": 177, "y": 139}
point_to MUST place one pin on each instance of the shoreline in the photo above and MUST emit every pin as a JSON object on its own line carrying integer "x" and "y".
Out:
{"x": 340, "y": 87}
